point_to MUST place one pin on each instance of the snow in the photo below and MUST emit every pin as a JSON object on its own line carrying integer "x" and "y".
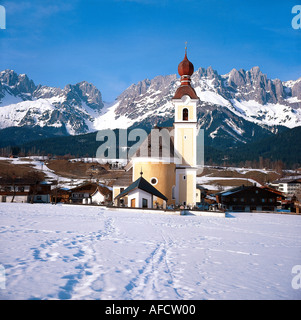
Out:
{"x": 9, "y": 99}
{"x": 108, "y": 120}
{"x": 232, "y": 125}
{"x": 211, "y": 97}
{"x": 291, "y": 83}
{"x": 76, "y": 252}
{"x": 207, "y": 181}
{"x": 269, "y": 114}
{"x": 293, "y": 100}
{"x": 13, "y": 114}
{"x": 214, "y": 133}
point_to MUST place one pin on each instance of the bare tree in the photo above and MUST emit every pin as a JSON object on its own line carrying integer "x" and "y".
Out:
{"x": 14, "y": 187}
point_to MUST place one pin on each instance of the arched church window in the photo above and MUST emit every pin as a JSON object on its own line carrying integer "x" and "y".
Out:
{"x": 185, "y": 114}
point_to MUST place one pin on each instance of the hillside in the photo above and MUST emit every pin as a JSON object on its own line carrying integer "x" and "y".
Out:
{"x": 284, "y": 146}
{"x": 13, "y": 136}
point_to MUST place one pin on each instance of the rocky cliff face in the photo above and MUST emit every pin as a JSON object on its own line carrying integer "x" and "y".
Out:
{"x": 254, "y": 85}
{"x": 239, "y": 85}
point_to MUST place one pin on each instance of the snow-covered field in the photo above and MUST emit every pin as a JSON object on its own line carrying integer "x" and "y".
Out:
{"x": 77, "y": 252}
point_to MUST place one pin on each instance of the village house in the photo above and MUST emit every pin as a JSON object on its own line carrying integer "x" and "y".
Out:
{"x": 88, "y": 193}
{"x": 248, "y": 198}
{"x": 17, "y": 191}
{"x": 41, "y": 192}
{"x": 22, "y": 190}
{"x": 60, "y": 195}
{"x": 290, "y": 186}
{"x": 82, "y": 193}
{"x": 102, "y": 195}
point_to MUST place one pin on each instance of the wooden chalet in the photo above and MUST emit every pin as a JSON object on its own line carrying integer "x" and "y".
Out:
{"x": 23, "y": 190}
{"x": 248, "y": 198}
{"x": 82, "y": 193}
{"x": 62, "y": 195}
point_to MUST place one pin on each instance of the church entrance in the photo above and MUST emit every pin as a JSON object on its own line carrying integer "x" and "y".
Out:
{"x": 144, "y": 203}
{"x": 133, "y": 203}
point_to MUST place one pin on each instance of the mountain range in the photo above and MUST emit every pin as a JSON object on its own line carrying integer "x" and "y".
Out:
{"x": 71, "y": 110}
{"x": 235, "y": 109}
{"x": 239, "y": 107}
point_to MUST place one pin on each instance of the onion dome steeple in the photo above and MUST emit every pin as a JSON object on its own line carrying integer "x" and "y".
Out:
{"x": 185, "y": 67}
{"x": 185, "y": 70}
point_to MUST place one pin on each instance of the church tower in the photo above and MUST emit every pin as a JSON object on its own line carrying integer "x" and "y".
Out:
{"x": 185, "y": 102}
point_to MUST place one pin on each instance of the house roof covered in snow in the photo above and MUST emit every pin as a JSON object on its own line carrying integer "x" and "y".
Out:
{"x": 248, "y": 189}
{"x": 288, "y": 180}
{"x": 103, "y": 190}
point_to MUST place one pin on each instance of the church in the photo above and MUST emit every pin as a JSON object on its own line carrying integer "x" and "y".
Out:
{"x": 163, "y": 171}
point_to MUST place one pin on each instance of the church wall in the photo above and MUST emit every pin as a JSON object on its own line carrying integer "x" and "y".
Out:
{"x": 139, "y": 195}
{"x": 116, "y": 192}
{"x": 191, "y": 190}
{"x": 186, "y": 187}
{"x": 163, "y": 172}
{"x": 191, "y": 115}
{"x": 185, "y": 145}
{"x": 182, "y": 189}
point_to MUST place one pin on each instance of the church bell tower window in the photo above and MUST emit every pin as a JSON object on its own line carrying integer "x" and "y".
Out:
{"x": 185, "y": 114}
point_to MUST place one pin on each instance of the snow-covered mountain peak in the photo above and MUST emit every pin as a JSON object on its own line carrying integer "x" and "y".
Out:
{"x": 238, "y": 105}
{"x": 22, "y": 103}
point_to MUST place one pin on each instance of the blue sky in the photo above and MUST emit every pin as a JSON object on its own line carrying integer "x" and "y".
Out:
{"x": 114, "y": 43}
